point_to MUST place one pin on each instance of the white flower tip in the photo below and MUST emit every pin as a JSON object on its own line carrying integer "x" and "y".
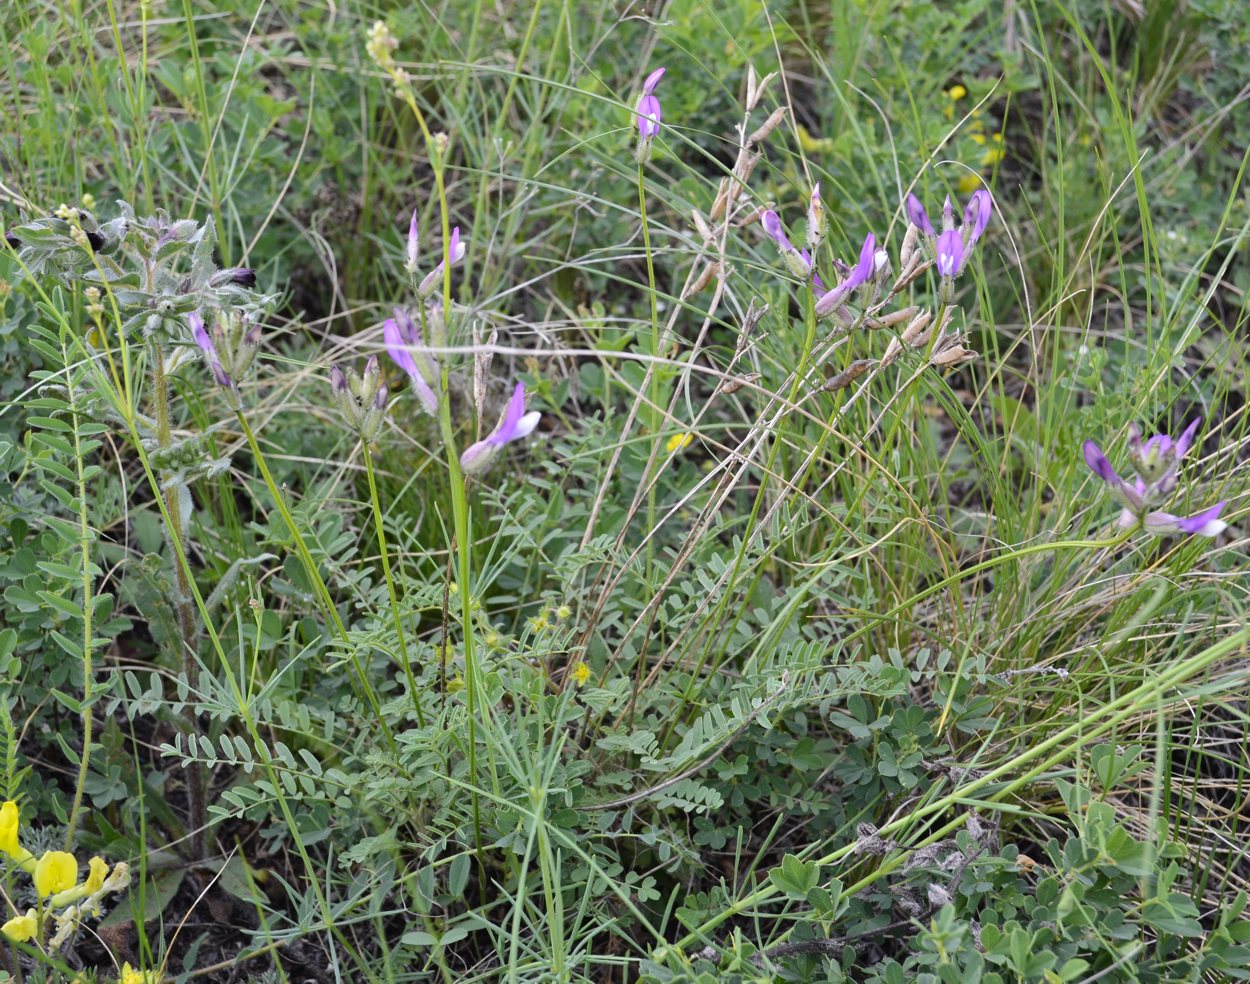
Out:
{"x": 525, "y": 426}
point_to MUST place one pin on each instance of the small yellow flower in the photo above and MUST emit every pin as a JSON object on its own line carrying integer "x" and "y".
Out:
{"x": 968, "y": 184}
{"x": 956, "y": 92}
{"x": 581, "y": 673}
{"x": 88, "y": 201}
{"x": 8, "y": 828}
{"x": 455, "y": 684}
{"x": 679, "y": 441}
{"x": 132, "y": 976}
{"x": 21, "y": 928}
{"x": 55, "y": 872}
{"x": 539, "y": 623}
{"x": 992, "y": 156}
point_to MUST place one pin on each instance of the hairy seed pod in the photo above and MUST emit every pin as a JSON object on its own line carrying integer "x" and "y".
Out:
{"x": 848, "y": 375}
{"x": 768, "y": 126}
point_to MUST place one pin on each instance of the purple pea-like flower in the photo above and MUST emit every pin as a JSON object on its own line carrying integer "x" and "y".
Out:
{"x": 918, "y": 216}
{"x": 953, "y": 246}
{"x": 1157, "y": 461}
{"x": 205, "y": 341}
{"x": 516, "y": 424}
{"x": 648, "y": 111}
{"x": 950, "y": 253}
{"x": 865, "y": 268}
{"x": 799, "y": 261}
{"x": 455, "y": 253}
{"x": 977, "y": 216}
{"x": 412, "y": 246}
{"x": 403, "y": 345}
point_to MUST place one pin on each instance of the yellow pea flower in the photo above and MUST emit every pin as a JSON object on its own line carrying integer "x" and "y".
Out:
{"x": 992, "y": 156}
{"x": 55, "y": 872}
{"x": 812, "y": 144}
{"x": 581, "y": 673}
{"x": 8, "y": 828}
{"x": 968, "y": 184}
{"x": 95, "y": 878}
{"x": 678, "y": 441}
{"x": 21, "y": 928}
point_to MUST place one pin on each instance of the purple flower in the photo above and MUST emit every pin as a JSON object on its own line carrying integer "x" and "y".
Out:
{"x": 411, "y": 252}
{"x": 648, "y": 111}
{"x": 918, "y": 216}
{"x": 977, "y": 216}
{"x": 950, "y": 253}
{"x": 953, "y": 246}
{"x": 205, "y": 342}
{"x": 455, "y": 253}
{"x": 516, "y": 424}
{"x": 799, "y": 261}
{"x": 866, "y": 267}
{"x": 403, "y": 345}
{"x": 1157, "y": 461}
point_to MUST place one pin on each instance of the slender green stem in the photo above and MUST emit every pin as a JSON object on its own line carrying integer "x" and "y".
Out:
{"x": 654, "y": 371}
{"x": 88, "y": 608}
{"x": 390, "y": 585}
{"x": 314, "y": 575}
{"x": 182, "y": 601}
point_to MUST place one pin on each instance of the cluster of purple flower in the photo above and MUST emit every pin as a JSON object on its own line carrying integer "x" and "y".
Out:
{"x": 1156, "y": 461}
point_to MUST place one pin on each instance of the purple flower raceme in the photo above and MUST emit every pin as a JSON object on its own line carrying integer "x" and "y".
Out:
{"x": 1156, "y": 462}
{"x": 404, "y": 346}
{"x": 952, "y": 247}
{"x": 864, "y": 270}
{"x": 516, "y": 424}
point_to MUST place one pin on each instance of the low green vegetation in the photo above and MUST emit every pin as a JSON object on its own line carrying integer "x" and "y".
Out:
{"x": 478, "y": 507}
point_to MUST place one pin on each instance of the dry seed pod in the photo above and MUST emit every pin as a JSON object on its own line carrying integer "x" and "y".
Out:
{"x": 952, "y": 355}
{"x": 908, "y": 250}
{"x": 481, "y": 366}
{"x": 705, "y": 278}
{"x": 744, "y": 167}
{"x": 848, "y": 375}
{"x": 892, "y": 352}
{"x": 768, "y": 126}
{"x": 700, "y": 223}
{"x": 735, "y": 384}
{"x": 913, "y": 333}
{"x": 893, "y": 318}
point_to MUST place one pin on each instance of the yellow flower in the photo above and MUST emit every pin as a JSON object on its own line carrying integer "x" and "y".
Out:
{"x": 55, "y": 872}
{"x": 21, "y": 928}
{"x": 678, "y": 441}
{"x": 95, "y": 879}
{"x": 581, "y": 673}
{"x": 811, "y": 144}
{"x": 455, "y": 684}
{"x": 8, "y": 828}
{"x": 992, "y": 156}
{"x": 956, "y": 92}
{"x": 968, "y": 184}
{"x": 132, "y": 976}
